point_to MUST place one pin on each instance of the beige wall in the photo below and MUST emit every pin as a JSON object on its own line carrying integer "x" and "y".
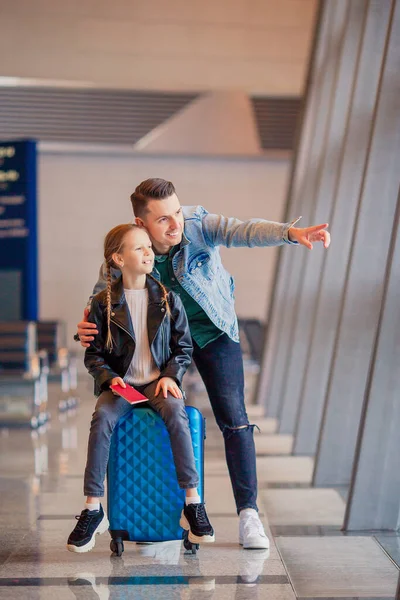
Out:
{"x": 259, "y": 46}
{"x": 254, "y": 46}
{"x": 83, "y": 195}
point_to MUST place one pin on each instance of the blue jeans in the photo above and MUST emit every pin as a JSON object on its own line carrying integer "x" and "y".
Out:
{"x": 110, "y": 408}
{"x": 220, "y": 365}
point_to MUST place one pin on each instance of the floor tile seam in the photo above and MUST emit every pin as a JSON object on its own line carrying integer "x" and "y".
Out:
{"x": 139, "y": 580}
{"x": 272, "y": 454}
{"x": 385, "y": 552}
{"x": 264, "y": 508}
{"x": 286, "y": 569}
{"x": 336, "y": 597}
{"x": 330, "y": 532}
{"x": 345, "y": 598}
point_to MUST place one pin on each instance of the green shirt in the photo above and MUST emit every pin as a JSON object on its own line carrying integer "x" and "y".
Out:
{"x": 202, "y": 329}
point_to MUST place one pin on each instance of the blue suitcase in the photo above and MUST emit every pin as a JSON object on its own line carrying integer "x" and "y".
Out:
{"x": 144, "y": 499}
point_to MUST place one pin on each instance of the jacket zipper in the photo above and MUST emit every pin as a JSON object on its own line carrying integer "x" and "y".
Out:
{"x": 130, "y": 335}
{"x": 164, "y": 352}
{"x": 164, "y": 345}
{"x": 123, "y": 329}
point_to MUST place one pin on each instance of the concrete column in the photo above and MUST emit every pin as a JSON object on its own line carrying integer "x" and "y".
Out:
{"x": 313, "y": 383}
{"x": 281, "y": 317}
{"x": 303, "y": 142}
{"x": 374, "y": 499}
{"x": 365, "y": 277}
{"x": 324, "y": 198}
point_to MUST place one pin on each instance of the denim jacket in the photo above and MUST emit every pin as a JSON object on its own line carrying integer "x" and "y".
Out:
{"x": 198, "y": 267}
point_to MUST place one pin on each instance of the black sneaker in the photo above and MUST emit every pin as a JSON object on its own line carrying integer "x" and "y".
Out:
{"x": 90, "y": 523}
{"x": 194, "y": 519}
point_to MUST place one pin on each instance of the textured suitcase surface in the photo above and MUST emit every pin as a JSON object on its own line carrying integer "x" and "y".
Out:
{"x": 144, "y": 499}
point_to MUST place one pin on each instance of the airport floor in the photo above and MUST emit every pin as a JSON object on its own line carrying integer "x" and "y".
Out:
{"x": 41, "y": 474}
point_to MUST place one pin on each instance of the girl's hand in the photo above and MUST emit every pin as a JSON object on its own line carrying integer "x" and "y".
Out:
{"x": 167, "y": 384}
{"x": 117, "y": 381}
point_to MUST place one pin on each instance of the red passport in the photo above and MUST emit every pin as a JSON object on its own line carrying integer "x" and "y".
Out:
{"x": 129, "y": 393}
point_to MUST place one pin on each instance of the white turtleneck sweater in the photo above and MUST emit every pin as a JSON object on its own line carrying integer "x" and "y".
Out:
{"x": 142, "y": 368}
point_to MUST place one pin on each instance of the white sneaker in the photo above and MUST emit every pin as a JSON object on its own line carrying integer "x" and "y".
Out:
{"x": 251, "y": 566}
{"x": 82, "y": 581}
{"x": 251, "y": 531}
{"x": 164, "y": 553}
{"x": 201, "y": 584}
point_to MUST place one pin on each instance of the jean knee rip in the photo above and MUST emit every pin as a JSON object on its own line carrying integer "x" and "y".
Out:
{"x": 231, "y": 431}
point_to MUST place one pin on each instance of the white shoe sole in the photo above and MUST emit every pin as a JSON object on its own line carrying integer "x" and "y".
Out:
{"x": 195, "y": 539}
{"x": 260, "y": 545}
{"x": 101, "y": 528}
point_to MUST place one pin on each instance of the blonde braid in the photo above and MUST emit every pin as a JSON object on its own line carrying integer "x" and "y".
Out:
{"x": 165, "y": 294}
{"x": 109, "y": 340}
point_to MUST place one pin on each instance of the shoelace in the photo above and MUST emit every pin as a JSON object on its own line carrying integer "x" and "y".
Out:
{"x": 201, "y": 514}
{"x": 253, "y": 521}
{"x": 83, "y": 521}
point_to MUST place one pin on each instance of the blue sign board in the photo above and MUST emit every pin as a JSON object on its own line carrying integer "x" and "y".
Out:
{"x": 18, "y": 231}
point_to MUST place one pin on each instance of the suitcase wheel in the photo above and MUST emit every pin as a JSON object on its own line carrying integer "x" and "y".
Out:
{"x": 117, "y": 547}
{"x": 188, "y": 545}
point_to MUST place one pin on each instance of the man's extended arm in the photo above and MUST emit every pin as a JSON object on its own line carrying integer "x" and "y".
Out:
{"x": 231, "y": 232}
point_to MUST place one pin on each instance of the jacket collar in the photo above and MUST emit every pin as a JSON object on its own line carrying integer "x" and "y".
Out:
{"x": 153, "y": 288}
{"x": 155, "y": 313}
{"x": 173, "y": 251}
{"x": 185, "y": 241}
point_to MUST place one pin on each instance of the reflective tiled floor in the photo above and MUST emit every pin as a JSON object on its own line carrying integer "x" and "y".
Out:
{"x": 41, "y": 491}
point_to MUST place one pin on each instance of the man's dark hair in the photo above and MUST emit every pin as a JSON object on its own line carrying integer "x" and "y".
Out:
{"x": 150, "y": 189}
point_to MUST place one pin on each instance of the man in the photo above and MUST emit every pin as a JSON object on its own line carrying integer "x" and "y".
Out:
{"x": 186, "y": 242}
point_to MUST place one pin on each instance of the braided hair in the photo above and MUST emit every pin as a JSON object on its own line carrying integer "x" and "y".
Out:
{"x": 164, "y": 294}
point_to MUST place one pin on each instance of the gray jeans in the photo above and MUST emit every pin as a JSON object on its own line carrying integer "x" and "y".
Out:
{"x": 110, "y": 408}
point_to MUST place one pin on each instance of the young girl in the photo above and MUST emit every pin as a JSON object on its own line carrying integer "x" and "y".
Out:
{"x": 143, "y": 340}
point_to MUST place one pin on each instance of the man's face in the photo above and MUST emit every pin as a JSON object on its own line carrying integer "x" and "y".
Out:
{"x": 164, "y": 223}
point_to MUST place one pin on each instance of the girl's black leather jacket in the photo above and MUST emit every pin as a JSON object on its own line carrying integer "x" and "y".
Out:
{"x": 169, "y": 335}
